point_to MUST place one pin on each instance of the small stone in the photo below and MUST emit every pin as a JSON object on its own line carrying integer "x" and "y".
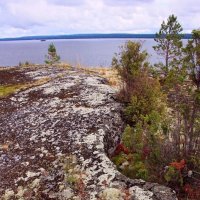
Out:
{"x": 190, "y": 173}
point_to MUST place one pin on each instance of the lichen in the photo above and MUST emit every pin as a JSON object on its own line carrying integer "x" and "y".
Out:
{"x": 112, "y": 194}
{"x": 8, "y": 194}
{"x": 140, "y": 194}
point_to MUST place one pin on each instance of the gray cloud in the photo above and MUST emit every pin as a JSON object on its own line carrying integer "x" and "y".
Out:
{"x": 28, "y": 17}
{"x": 125, "y": 2}
{"x": 68, "y": 2}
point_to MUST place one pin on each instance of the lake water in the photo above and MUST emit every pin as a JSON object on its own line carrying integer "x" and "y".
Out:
{"x": 82, "y": 52}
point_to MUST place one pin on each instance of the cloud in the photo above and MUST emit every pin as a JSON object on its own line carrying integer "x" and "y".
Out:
{"x": 48, "y": 17}
{"x": 67, "y": 2}
{"x": 125, "y": 2}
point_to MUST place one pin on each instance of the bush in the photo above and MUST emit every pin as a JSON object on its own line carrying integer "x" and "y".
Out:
{"x": 129, "y": 63}
{"x": 145, "y": 111}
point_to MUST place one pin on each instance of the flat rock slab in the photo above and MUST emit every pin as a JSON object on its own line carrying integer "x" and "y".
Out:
{"x": 56, "y": 138}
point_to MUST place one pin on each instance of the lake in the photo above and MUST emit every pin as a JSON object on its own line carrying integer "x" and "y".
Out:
{"x": 77, "y": 52}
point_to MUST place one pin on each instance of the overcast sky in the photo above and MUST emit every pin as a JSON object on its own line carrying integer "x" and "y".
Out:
{"x": 50, "y": 17}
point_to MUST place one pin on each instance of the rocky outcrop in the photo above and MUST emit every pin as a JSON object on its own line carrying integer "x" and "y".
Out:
{"x": 56, "y": 138}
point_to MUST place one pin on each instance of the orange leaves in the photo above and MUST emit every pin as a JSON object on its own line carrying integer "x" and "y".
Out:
{"x": 178, "y": 165}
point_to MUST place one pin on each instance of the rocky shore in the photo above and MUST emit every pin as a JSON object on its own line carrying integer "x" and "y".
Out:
{"x": 56, "y": 135}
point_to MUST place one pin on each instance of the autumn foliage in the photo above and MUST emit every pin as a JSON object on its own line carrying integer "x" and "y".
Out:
{"x": 178, "y": 165}
{"x": 121, "y": 148}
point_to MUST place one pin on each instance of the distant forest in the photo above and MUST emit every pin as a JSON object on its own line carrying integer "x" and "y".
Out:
{"x": 87, "y": 36}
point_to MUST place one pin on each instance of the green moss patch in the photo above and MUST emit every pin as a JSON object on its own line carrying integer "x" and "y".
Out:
{"x": 6, "y": 90}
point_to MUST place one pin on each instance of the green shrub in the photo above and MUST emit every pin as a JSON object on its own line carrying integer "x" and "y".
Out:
{"x": 145, "y": 112}
{"x": 127, "y": 137}
{"x": 119, "y": 159}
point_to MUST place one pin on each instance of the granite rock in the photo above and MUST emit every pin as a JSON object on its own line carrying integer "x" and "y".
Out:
{"x": 59, "y": 137}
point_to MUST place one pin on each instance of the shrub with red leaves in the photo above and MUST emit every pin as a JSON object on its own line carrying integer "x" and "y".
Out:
{"x": 178, "y": 165}
{"x": 121, "y": 148}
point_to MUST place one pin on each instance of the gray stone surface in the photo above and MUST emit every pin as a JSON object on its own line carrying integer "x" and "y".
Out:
{"x": 59, "y": 136}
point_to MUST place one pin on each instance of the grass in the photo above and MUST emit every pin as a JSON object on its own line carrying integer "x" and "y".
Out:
{"x": 64, "y": 65}
{"x": 110, "y": 74}
{"x": 106, "y": 72}
{"x": 7, "y": 90}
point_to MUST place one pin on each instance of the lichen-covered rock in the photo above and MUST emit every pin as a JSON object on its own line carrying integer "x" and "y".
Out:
{"x": 112, "y": 194}
{"x": 58, "y": 137}
{"x": 140, "y": 194}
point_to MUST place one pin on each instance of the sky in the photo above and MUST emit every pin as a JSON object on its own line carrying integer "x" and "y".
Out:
{"x": 56, "y": 17}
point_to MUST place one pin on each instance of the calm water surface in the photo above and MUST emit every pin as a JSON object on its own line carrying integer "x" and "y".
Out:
{"x": 84, "y": 52}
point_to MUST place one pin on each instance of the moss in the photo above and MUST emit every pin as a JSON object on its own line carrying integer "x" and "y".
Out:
{"x": 6, "y": 90}
{"x": 72, "y": 179}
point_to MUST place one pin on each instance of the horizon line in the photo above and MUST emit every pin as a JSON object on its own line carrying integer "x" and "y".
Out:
{"x": 89, "y": 36}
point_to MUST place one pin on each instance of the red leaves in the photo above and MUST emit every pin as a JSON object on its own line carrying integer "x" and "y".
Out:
{"x": 178, "y": 165}
{"x": 192, "y": 190}
{"x": 121, "y": 148}
{"x": 146, "y": 152}
{"x": 187, "y": 188}
{"x": 193, "y": 193}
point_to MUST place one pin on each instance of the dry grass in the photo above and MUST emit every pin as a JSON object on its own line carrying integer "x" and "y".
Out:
{"x": 106, "y": 72}
{"x": 64, "y": 66}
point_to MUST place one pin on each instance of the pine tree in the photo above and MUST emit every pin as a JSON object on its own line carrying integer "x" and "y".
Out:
{"x": 169, "y": 44}
{"x": 192, "y": 57}
{"x": 52, "y": 56}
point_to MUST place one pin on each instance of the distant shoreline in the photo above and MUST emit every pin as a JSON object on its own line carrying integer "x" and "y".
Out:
{"x": 88, "y": 36}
